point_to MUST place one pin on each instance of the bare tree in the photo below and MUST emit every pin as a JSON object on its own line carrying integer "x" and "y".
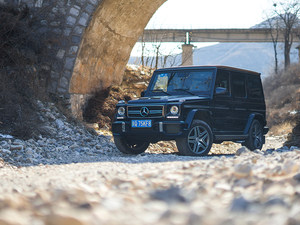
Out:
{"x": 151, "y": 56}
{"x": 274, "y": 29}
{"x": 170, "y": 59}
{"x": 154, "y": 56}
{"x": 157, "y": 53}
{"x": 288, "y": 12}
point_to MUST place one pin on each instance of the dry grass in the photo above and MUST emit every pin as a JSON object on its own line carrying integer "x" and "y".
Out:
{"x": 282, "y": 93}
{"x": 282, "y": 129}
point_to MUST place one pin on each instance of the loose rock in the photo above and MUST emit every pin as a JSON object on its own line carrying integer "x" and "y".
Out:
{"x": 77, "y": 177}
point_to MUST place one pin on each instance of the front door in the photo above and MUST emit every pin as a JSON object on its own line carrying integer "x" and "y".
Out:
{"x": 222, "y": 108}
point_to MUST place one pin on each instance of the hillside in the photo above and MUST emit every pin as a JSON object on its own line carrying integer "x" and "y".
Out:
{"x": 282, "y": 93}
{"x": 253, "y": 56}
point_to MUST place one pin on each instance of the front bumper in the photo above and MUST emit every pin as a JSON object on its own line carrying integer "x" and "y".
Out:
{"x": 163, "y": 130}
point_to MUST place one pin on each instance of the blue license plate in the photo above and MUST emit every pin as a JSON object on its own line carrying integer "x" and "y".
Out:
{"x": 141, "y": 123}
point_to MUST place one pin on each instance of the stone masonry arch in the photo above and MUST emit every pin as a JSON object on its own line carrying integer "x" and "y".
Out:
{"x": 106, "y": 45}
{"x": 91, "y": 42}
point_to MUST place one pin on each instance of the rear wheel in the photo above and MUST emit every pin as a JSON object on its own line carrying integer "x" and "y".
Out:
{"x": 130, "y": 146}
{"x": 198, "y": 140}
{"x": 255, "y": 137}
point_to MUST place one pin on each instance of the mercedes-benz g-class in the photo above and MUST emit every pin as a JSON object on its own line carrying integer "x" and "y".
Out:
{"x": 195, "y": 106}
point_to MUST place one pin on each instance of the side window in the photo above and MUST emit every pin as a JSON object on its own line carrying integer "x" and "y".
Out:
{"x": 161, "y": 82}
{"x": 222, "y": 86}
{"x": 254, "y": 87}
{"x": 238, "y": 85}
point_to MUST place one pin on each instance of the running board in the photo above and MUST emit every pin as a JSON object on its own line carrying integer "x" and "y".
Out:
{"x": 230, "y": 137}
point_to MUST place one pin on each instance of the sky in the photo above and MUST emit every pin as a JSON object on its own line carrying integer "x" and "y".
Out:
{"x": 210, "y": 13}
{"x": 193, "y": 14}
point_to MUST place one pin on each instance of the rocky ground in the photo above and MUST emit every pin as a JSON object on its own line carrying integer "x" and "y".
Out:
{"x": 79, "y": 177}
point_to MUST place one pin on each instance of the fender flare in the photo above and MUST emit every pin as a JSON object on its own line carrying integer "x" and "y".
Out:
{"x": 250, "y": 120}
{"x": 191, "y": 115}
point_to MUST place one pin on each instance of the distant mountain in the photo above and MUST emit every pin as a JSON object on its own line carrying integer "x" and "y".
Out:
{"x": 274, "y": 22}
{"x": 253, "y": 56}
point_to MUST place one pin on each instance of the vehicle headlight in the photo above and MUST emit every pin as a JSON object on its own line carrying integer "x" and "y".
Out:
{"x": 174, "y": 110}
{"x": 121, "y": 111}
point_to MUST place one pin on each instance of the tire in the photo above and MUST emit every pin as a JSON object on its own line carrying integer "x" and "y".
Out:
{"x": 198, "y": 140}
{"x": 128, "y": 146}
{"x": 255, "y": 136}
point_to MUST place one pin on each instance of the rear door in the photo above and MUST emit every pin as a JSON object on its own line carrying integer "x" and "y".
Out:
{"x": 240, "y": 112}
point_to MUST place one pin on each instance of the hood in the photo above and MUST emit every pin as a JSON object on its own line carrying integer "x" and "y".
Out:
{"x": 166, "y": 99}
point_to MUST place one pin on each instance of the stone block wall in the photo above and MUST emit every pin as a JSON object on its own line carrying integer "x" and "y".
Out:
{"x": 65, "y": 22}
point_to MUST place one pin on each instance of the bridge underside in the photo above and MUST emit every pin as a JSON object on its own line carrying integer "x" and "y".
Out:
{"x": 210, "y": 35}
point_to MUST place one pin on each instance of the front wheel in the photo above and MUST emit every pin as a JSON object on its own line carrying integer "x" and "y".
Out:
{"x": 128, "y": 146}
{"x": 255, "y": 136}
{"x": 198, "y": 140}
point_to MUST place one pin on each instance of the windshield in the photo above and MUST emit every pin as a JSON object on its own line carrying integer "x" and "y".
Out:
{"x": 187, "y": 82}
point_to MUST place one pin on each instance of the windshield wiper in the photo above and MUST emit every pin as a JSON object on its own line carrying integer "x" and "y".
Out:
{"x": 161, "y": 90}
{"x": 171, "y": 77}
{"x": 186, "y": 90}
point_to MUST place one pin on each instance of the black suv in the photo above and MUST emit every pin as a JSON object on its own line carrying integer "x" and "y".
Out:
{"x": 196, "y": 107}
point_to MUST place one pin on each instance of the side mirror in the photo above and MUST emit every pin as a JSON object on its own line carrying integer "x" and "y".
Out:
{"x": 220, "y": 90}
{"x": 142, "y": 93}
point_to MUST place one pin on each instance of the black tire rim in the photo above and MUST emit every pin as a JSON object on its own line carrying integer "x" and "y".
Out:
{"x": 257, "y": 136}
{"x": 198, "y": 139}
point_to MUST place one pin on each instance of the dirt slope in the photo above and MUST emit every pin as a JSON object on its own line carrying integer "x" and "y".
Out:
{"x": 101, "y": 108}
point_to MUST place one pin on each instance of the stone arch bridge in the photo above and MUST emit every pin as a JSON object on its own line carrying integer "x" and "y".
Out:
{"x": 94, "y": 39}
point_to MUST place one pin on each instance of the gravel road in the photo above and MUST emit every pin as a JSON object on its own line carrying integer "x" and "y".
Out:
{"x": 261, "y": 187}
{"x": 78, "y": 178}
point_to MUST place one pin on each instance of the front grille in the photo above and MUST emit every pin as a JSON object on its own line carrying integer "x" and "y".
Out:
{"x": 155, "y": 111}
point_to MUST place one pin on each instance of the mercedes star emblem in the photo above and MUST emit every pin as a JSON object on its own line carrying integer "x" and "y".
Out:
{"x": 144, "y": 111}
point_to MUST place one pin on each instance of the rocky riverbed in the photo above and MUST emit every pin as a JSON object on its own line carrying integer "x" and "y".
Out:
{"x": 75, "y": 176}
